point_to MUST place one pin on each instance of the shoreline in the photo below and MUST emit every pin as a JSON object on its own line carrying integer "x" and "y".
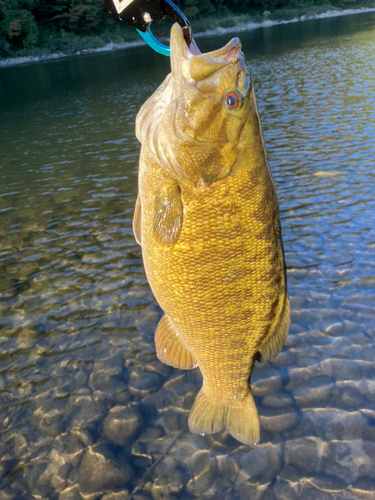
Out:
{"x": 13, "y": 61}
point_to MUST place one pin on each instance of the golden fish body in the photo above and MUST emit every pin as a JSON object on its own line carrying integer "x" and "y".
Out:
{"x": 207, "y": 219}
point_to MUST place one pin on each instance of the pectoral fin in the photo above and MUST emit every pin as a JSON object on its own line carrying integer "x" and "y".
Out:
{"x": 170, "y": 349}
{"x": 168, "y": 214}
{"x": 137, "y": 221}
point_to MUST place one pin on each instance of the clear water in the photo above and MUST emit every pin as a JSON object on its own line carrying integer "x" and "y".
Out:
{"x": 86, "y": 409}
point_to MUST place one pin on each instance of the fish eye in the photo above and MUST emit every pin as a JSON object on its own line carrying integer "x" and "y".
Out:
{"x": 234, "y": 100}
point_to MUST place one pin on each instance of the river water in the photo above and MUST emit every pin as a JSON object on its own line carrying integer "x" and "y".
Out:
{"x": 86, "y": 409}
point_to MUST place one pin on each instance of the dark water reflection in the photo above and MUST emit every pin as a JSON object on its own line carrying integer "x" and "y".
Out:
{"x": 87, "y": 411}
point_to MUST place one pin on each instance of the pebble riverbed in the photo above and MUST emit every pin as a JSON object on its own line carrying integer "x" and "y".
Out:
{"x": 87, "y": 412}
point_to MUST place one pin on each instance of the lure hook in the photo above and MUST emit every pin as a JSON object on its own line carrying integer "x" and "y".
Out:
{"x": 139, "y": 14}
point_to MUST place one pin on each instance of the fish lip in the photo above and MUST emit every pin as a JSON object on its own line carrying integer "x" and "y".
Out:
{"x": 226, "y": 54}
{"x": 230, "y": 51}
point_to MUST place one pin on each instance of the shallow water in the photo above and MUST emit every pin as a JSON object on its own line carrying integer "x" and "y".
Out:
{"x": 87, "y": 410}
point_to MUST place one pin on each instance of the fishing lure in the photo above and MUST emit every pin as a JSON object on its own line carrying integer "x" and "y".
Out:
{"x": 139, "y": 14}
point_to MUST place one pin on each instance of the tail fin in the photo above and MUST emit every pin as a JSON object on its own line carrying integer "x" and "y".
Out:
{"x": 241, "y": 421}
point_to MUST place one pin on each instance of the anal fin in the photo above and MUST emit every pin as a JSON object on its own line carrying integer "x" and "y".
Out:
{"x": 275, "y": 343}
{"x": 169, "y": 348}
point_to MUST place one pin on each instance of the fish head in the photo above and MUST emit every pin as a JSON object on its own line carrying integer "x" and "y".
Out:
{"x": 196, "y": 121}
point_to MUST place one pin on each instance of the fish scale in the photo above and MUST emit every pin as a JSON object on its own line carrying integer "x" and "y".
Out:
{"x": 207, "y": 219}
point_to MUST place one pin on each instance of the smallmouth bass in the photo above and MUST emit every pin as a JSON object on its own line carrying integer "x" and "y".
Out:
{"x": 207, "y": 219}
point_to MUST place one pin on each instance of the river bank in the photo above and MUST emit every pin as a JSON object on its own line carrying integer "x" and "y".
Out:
{"x": 232, "y": 24}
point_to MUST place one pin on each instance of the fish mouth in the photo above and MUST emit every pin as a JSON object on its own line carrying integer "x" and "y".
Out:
{"x": 190, "y": 62}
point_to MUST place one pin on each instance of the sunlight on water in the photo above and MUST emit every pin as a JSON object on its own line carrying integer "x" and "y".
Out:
{"x": 86, "y": 407}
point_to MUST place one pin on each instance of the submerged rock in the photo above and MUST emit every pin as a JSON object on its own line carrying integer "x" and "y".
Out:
{"x": 308, "y": 455}
{"x": 227, "y": 468}
{"x": 71, "y": 493}
{"x": 311, "y": 493}
{"x": 351, "y": 460}
{"x": 335, "y": 329}
{"x": 224, "y": 483}
{"x": 99, "y": 471}
{"x": 279, "y": 423}
{"x": 204, "y": 471}
{"x": 143, "y": 383}
{"x": 263, "y": 462}
{"x": 253, "y": 491}
{"x": 344, "y": 369}
{"x": 50, "y": 475}
{"x": 331, "y": 423}
{"x": 122, "y": 424}
{"x": 169, "y": 478}
{"x": 315, "y": 392}
{"x": 120, "y": 495}
{"x": 278, "y": 400}
{"x": 20, "y": 446}
{"x": 7, "y": 494}
{"x": 286, "y": 491}
{"x": 265, "y": 380}
{"x": 86, "y": 410}
{"x": 49, "y": 423}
